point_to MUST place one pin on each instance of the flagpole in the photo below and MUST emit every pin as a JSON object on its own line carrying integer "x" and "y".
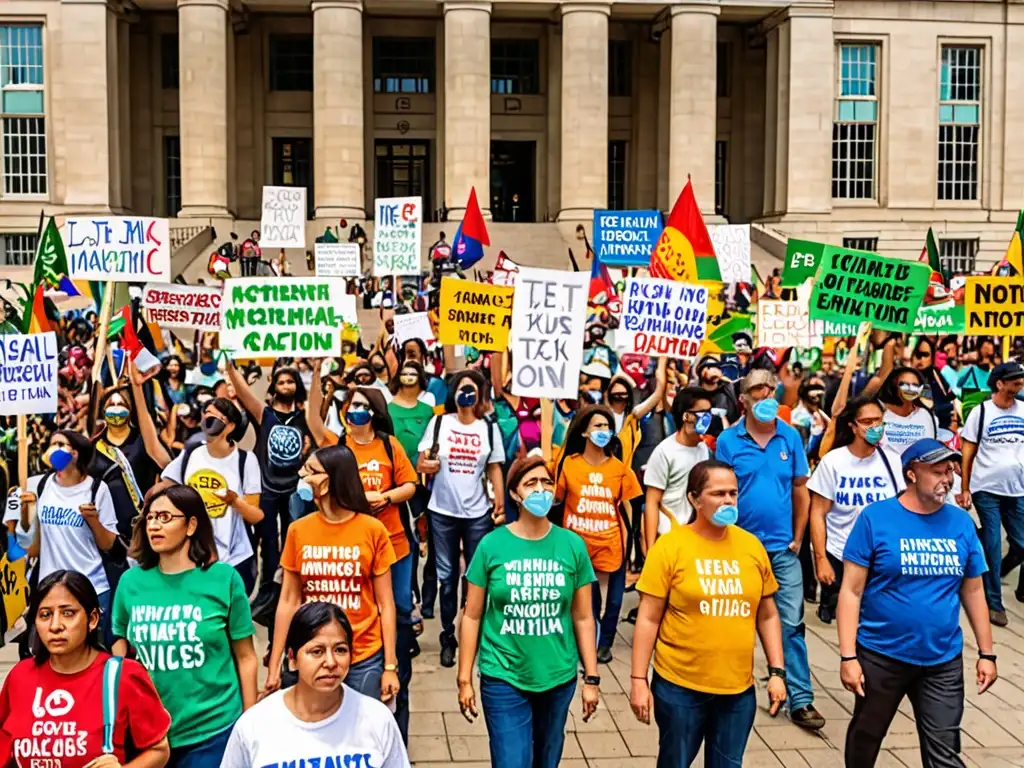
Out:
{"x": 21, "y": 421}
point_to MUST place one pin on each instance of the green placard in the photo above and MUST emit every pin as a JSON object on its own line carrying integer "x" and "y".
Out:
{"x": 853, "y": 286}
{"x": 941, "y": 319}
{"x": 802, "y": 259}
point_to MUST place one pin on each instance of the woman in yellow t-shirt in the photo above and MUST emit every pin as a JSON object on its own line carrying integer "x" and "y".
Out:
{"x": 705, "y": 589}
{"x": 597, "y": 487}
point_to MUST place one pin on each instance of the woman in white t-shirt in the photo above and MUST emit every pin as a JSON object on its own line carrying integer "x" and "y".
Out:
{"x": 907, "y": 420}
{"x": 319, "y": 720}
{"x": 858, "y": 471}
{"x": 229, "y": 481}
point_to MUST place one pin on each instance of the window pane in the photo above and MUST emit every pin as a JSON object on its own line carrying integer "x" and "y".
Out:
{"x": 617, "y": 175}
{"x": 515, "y": 66}
{"x": 291, "y": 62}
{"x": 857, "y": 70}
{"x": 18, "y": 250}
{"x": 722, "y": 72}
{"x": 620, "y": 68}
{"x": 24, "y": 152}
{"x": 958, "y": 162}
{"x": 23, "y": 102}
{"x": 957, "y": 257}
{"x": 853, "y": 161}
{"x": 21, "y": 54}
{"x": 172, "y": 175}
{"x": 169, "y": 62}
{"x": 960, "y": 73}
{"x": 861, "y": 243}
{"x": 403, "y": 65}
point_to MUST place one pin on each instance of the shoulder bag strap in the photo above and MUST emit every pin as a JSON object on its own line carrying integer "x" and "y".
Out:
{"x": 111, "y": 686}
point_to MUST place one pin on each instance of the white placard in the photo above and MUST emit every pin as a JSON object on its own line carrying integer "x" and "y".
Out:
{"x": 397, "y": 235}
{"x": 283, "y": 217}
{"x": 337, "y": 259}
{"x": 549, "y": 311}
{"x": 414, "y": 325}
{"x": 28, "y": 373}
{"x": 170, "y": 305}
{"x": 662, "y": 317}
{"x": 782, "y": 324}
{"x": 122, "y": 249}
{"x": 732, "y": 249}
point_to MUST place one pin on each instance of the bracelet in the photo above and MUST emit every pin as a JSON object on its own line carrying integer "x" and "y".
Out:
{"x": 777, "y": 672}
{"x": 987, "y": 657}
{"x": 638, "y": 677}
{"x": 844, "y": 659}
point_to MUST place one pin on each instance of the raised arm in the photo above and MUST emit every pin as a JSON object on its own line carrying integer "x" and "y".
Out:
{"x": 314, "y": 412}
{"x": 147, "y": 428}
{"x": 660, "y": 381}
{"x": 244, "y": 393}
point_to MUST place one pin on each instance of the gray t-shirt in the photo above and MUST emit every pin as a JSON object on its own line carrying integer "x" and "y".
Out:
{"x": 669, "y": 469}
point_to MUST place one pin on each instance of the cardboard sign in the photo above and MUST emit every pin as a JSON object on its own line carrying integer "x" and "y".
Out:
{"x": 626, "y": 238}
{"x": 285, "y": 316}
{"x": 122, "y": 249}
{"x": 732, "y": 249}
{"x": 414, "y": 325}
{"x": 663, "y": 317}
{"x": 802, "y": 258}
{"x": 397, "y": 235}
{"x": 853, "y": 286}
{"x": 477, "y": 314}
{"x": 336, "y": 259}
{"x": 182, "y": 306}
{"x": 994, "y": 306}
{"x": 14, "y": 589}
{"x": 28, "y": 373}
{"x": 548, "y": 319}
{"x": 783, "y": 324}
{"x": 283, "y": 217}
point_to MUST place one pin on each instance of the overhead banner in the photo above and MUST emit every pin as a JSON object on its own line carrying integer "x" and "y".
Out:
{"x": 802, "y": 259}
{"x": 283, "y": 217}
{"x": 626, "y": 238}
{"x": 28, "y": 373}
{"x": 284, "y": 316}
{"x": 732, "y": 249}
{"x": 122, "y": 249}
{"x": 852, "y": 286}
{"x": 477, "y": 314}
{"x": 548, "y": 318}
{"x": 397, "y": 235}
{"x": 662, "y": 317}
{"x": 994, "y": 306}
{"x": 413, "y": 325}
{"x": 783, "y": 324}
{"x": 336, "y": 259}
{"x": 182, "y": 306}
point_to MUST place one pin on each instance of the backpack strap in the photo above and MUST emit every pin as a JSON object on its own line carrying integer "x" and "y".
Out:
{"x": 185, "y": 456}
{"x": 436, "y": 446}
{"x": 888, "y": 468}
{"x": 243, "y": 456}
{"x": 388, "y": 448}
{"x": 111, "y": 686}
{"x": 42, "y": 485}
{"x": 490, "y": 424}
{"x": 981, "y": 420}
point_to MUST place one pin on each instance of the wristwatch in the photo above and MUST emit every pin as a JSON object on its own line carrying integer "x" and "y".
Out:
{"x": 391, "y": 668}
{"x": 987, "y": 657}
{"x": 777, "y": 672}
{"x": 592, "y": 680}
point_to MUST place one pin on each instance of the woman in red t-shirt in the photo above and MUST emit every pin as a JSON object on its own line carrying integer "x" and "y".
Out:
{"x": 54, "y": 707}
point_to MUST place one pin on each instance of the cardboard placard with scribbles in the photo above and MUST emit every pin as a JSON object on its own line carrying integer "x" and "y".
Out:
{"x": 732, "y": 249}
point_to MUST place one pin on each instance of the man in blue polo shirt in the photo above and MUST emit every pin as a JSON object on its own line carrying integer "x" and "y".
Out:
{"x": 771, "y": 466}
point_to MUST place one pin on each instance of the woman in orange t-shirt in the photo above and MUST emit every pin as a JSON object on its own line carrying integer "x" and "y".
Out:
{"x": 341, "y": 554}
{"x": 596, "y": 488}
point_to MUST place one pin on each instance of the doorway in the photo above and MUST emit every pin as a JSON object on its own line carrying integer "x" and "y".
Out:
{"x": 402, "y": 169}
{"x": 293, "y": 166}
{"x": 512, "y": 180}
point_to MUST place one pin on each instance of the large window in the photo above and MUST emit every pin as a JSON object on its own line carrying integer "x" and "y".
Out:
{"x": 617, "y": 175}
{"x": 169, "y": 62}
{"x": 620, "y": 68}
{"x": 721, "y": 173}
{"x": 515, "y": 66}
{"x": 291, "y": 62}
{"x": 861, "y": 243}
{"x": 957, "y": 257}
{"x": 722, "y": 71}
{"x": 404, "y": 65}
{"x": 22, "y": 110}
{"x": 855, "y": 125}
{"x": 172, "y": 175}
{"x": 959, "y": 122}
{"x": 18, "y": 250}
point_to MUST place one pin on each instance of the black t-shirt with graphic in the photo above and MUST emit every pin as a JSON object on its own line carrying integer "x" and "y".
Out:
{"x": 279, "y": 448}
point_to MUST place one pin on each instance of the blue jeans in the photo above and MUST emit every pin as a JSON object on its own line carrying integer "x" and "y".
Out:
{"x": 526, "y": 730}
{"x": 608, "y": 622}
{"x": 685, "y": 718}
{"x": 272, "y": 530}
{"x": 993, "y": 512}
{"x": 203, "y": 754}
{"x": 790, "y": 602}
{"x": 401, "y": 584}
{"x": 105, "y": 600}
{"x": 247, "y": 570}
{"x": 365, "y": 675}
{"x": 448, "y": 533}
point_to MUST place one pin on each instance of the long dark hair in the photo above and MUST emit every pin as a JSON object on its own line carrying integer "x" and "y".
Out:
{"x": 201, "y": 545}
{"x": 700, "y": 473}
{"x": 309, "y": 619}
{"x": 889, "y": 392}
{"x": 455, "y": 381}
{"x": 82, "y": 590}
{"x": 300, "y": 387}
{"x": 381, "y": 421}
{"x": 421, "y": 376}
{"x": 229, "y": 410}
{"x": 575, "y": 442}
{"x": 342, "y": 470}
{"x": 82, "y": 444}
{"x": 846, "y": 418}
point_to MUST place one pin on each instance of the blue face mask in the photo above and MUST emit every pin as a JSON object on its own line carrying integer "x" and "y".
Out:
{"x": 358, "y": 417}
{"x": 601, "y": 437}
{"x": 539, "y": 503}
{"x": 727, "y": 515}
{"x": 766, "y": 410}
{"x": 703, "y": 423}
{"x": 59, "y": 458}
{"x": 593, "y": 396}
{"x": 304, "y": 489}
{"x": 874, "y": 434}
{"x": 466, "y": 398}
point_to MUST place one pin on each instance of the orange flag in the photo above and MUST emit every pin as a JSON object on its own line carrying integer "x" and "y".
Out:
{"x": 38, "y": 322}
{"x": 684, "y": 251}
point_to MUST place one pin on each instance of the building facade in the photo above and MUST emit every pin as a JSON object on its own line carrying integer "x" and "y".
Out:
{"x": 864, "y": 121}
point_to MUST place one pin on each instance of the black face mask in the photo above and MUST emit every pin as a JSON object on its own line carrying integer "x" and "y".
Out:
{"x": 212, "y": 426}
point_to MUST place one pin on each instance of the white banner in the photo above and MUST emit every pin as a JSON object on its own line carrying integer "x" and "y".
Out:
{"x": 414, "y": 325}
{"x": 182, "y": 306}
{"x": 336, "y": 259}
{"x": 28, "y": 373}
{"x": 662, "y": 317}
{"x": 732, "y": 250}
{"x": 122, "y": 249}
{"x": 397, "y": 235}
{"x": 283, "y": 218}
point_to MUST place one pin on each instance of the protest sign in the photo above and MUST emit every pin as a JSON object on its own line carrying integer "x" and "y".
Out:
{"x": 283, "y": 217}
{"x": 852, "y": 286}
{"x": 397, "y": 234}
{"x": 994, "y": 306}
{"x": 548, "y": 318}
{"x": 182, "y": 306}
{"x": 413, "y": 325}
{"x": 337, "y": 259}
{"x": 732, "y": 249}
{"x": 122, "y": 249}
{"x": 626, "y": 238}
{"x": 947, "y": 317}
{"x": 14, "y": 587}
{"x": 285, "y": 316}
{"x": 663, "y": 317}
{"x": 477, "y": 314}
{"x": 28, "y": 373}
{"x": 802, "y": 258}
{"x": 783, "y": 324}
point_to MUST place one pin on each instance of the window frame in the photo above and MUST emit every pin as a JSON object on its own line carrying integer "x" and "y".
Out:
{"x": 840, "y": 125}
{"x": 297, "y": 84}
{"x": 429, "y": 74}
{"x": 531, "y": 57}
{"x": 982, "y": 125}
{"x": 861, "y": 242}
{"x": 45, "y": 190}
{"x": 624, "y": 182}
{"x": 31, "y": 237}
{"x": 168, "y": 83}
{"x": 947, "y": 261}
{"x": 624, "y": 60}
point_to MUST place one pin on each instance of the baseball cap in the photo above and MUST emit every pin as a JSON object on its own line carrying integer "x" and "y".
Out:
{"x": 927, "y": 450}
{"x": 1009, "y": 371}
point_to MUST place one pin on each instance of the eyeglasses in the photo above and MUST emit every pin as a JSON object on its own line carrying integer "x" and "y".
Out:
{"x": 869, "y": 422}
{"x": 163, "y": 517}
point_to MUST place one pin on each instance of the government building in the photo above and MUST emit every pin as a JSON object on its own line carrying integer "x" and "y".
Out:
{"x": 856, "y": 121}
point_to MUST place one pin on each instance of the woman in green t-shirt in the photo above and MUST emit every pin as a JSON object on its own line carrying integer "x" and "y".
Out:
{"x": 528, "y": 608}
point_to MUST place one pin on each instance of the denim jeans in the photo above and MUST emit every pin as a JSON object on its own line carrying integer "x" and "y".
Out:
{"x": 526, "y": 730}
{"x": 995, "y": 512}
{"x": 365, "y": 675}
{"x": 203, "y": 754}
{"x": 686, "y": 718}
{"x": 608, "y": 622}
{"x": 271, "y": 531}
{"x": 247, "y": 570}
{"x": 105, "y": 600}
{"x": 448, "y": 533}
{"x": 401, "y": 583}
{"x": 790, "y": 602}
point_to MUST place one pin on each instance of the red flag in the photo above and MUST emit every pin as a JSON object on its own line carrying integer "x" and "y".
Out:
{"x": 144, "y": 359}
{"x": 684, "y": 251}
{"x": 38, "y": 322}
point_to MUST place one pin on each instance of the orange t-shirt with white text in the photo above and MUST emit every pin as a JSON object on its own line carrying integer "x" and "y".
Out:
{"x": 336, "y": 563}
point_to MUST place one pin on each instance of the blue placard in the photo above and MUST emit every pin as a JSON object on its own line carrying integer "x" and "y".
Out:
{"x": 625, "y": 238}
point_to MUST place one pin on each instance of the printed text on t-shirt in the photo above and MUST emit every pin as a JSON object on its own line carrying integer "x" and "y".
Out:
{"x": 166, "y": 637}
{"x": 595, "y": 511}
{"x": 534, "y": 607}
{"x": 464, "y": 449}
{"x": 342, "y": 573}
{"x": 861, "y": 491}
{"x": 930, "y": 557}
{"x": 720, "y": 580}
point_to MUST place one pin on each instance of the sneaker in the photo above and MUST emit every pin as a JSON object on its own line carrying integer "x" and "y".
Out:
{"x": 998, "y": 618}
{"x": 825, "y": 614}
{"x": 807, "y": 717}
{"x": 448, "y": 648}
{"x": 631, "y": 616}
{"x": 415, "y": 650}
{"x": 604, "y": 655}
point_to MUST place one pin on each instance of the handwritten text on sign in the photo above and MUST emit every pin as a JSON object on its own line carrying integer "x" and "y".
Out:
{"x": 663, "y": 317}
{"x": 28, "y": 373}
{"x": 994, "y": 306}
{"x": 783, "y": 324}
{"x": 182, "y": 306}
{"x": 124, "y": 249}
{"x": 397, "y": 235}
{"x": 286, "y": 316}
{"x": 475, "y": 313}
{"x": 548, "y": 317}
{"x": 283, "y": 218}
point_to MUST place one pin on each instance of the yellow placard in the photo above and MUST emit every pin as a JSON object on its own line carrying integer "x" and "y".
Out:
{"x": 477, "y": 314}
{"x": 15, "y": 588}
{"x": 994, "y": 306}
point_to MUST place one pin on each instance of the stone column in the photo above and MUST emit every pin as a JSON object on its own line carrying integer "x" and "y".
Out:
{"x": 693, "y": 102}
{"x": 204, "y": 93}
{"x": 338, "y": 109}
{"x": 467, "y": 105}
{"x": 584, "y": 109}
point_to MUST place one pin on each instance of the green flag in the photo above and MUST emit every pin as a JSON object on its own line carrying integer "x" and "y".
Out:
{"x": 51, "y": 260}
{"x": 930, "y": 253}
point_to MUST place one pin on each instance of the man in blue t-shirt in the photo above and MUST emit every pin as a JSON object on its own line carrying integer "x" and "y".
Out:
{"x": 909, "y": 564}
